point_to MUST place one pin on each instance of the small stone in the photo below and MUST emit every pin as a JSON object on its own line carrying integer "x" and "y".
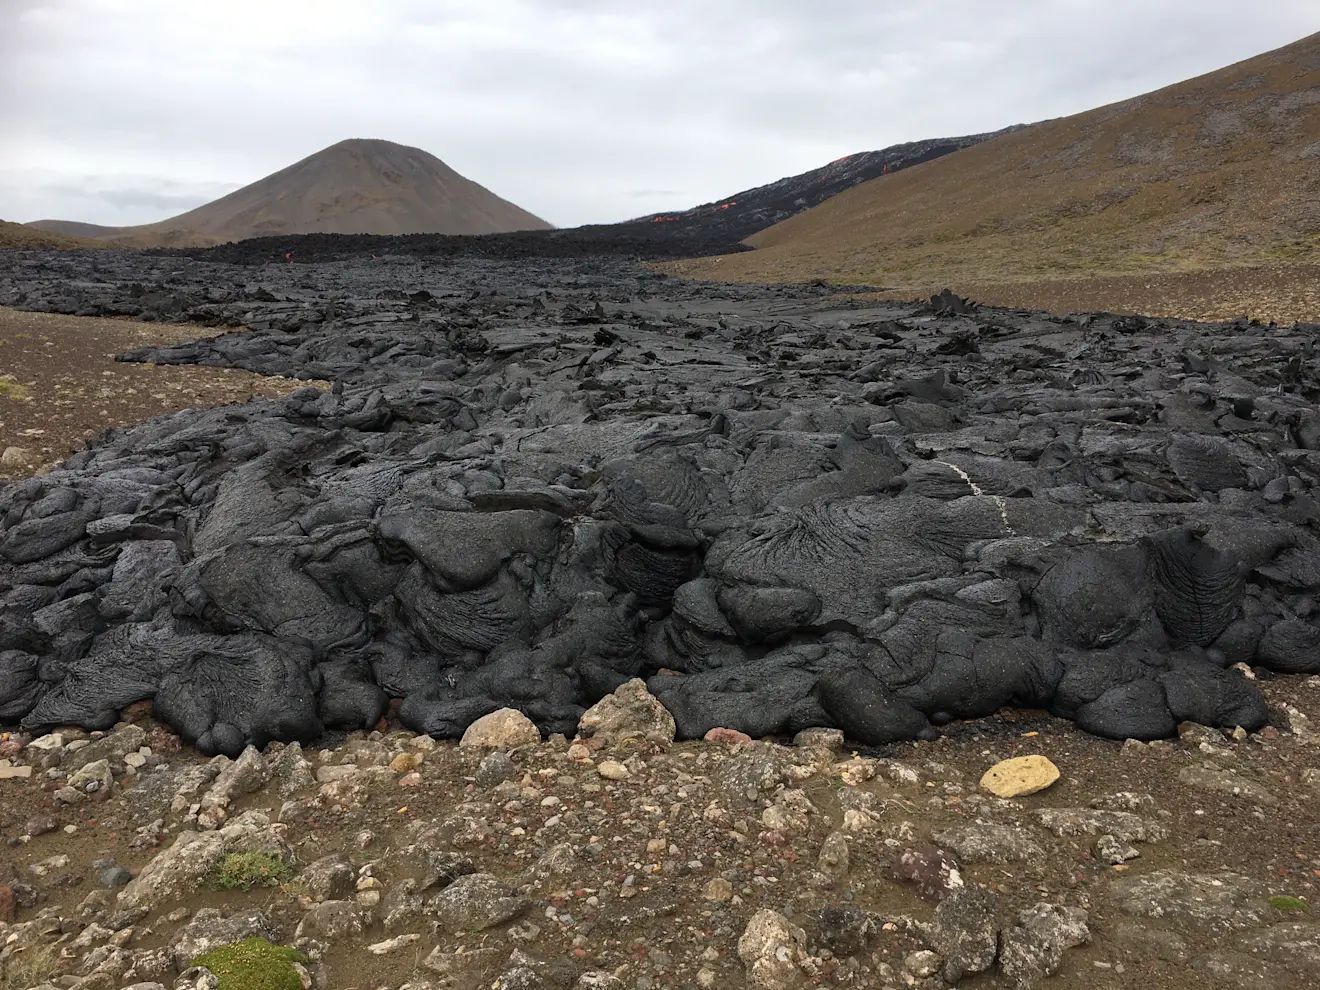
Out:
{"x": 507, "y": 728}
{"x": 48, "y": 743}
{"x": 14, "y": 458}
{"x": 406, "y": 762}
{"x": 1020, "y": 776}
{"x": 928, "y": 869}
{"x": 613, "y": 770}
{"x": 40, "y": 826}
{"x": 818, "y": 738}
{"x": 833, "y": 858}
{"x": 392, "y": 944}
{"x": 413, "y": 779}
{"x": 114, "y": 877}
{"x": 495, "y": 769}
{"x": 729, "y": 736}
{"x": 8, "y": 772}
{"x": 1112, "y": 852}
{"x": 771, "y": 949}
{"x": 718, "y": 889}
{"x": 922, "y": 964}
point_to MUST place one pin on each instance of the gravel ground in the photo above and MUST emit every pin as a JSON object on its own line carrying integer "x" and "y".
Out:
{"x": 625, "y": 860}
{"x": 60, "y": 384}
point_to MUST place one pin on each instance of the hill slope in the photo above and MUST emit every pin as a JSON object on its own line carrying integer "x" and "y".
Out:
{"x": 1220, "y": 170}
{"x": 713, "y": 228}
{"x": 744, "y": 213}
{"x": 353, "y": 187}
{"x": 18, "y": 235}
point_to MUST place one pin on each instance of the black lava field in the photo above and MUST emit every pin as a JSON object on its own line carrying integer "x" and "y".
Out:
{"x": 531, "y": 481}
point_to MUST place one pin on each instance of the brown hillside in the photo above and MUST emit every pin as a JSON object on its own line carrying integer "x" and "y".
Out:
{"x": 17, "y": 235}
{"x": 1219, "y": 171}
{"x": 353, "y": 187}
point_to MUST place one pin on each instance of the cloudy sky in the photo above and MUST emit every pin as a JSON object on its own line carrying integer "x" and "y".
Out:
{"x": 582, "y": 111}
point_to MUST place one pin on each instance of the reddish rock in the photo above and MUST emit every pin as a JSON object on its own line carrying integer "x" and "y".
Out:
{"x": 730, "y": 736}
{"x": 932, "y": 872}
{"x": 6, "y": 903}
{"x": 10, "y": 747}
{"x": 162, "y": 740}
{"x": 138, "y": 711}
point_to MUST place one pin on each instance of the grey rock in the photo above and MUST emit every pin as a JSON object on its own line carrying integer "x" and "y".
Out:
{"x": 965, "y": 932}
{"x": 291, "y": 771}
{"x": 333, "y": 921}
{"x": 114, "y": 877}
{"x": 631, "y": 711}
{"x": 495, "y": 769}
{"x": 845, "y": 930}
{"x": 1112, "y": 852}
{"x": 1122, "y": 825}
{"x": 330, "y": 878}
{"x": 985, "y": 842}
{"x": 1033, "y": 947}
{"x": 197, "y": 978}
{"x": 210, "y": 929}
{"x": 1213, "y": 902}
{"x": 772, "y": 950}
{"x": 474, "y": 903}
{"x": 1209, "y": 777}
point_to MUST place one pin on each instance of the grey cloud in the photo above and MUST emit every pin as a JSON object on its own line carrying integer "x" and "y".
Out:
{"x": 570, "y": 108}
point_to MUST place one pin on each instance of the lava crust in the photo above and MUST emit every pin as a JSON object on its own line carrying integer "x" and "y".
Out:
{"x": 532, "y": 482}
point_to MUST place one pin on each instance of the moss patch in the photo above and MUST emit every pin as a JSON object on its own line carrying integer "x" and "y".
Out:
{"x": 11, "y": 389}
{"x": 253, "y": 964}
{"x": 1282, "y": 902}
{"x": 251, "y": 869}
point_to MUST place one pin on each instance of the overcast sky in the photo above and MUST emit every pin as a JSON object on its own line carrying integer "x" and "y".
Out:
{"x": 582, "y": 111}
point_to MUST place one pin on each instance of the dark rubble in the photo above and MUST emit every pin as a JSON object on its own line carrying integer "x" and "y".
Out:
{"x": 533, "y": 481}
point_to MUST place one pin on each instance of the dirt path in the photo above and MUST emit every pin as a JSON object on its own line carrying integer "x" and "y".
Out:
{"x": 60, "y": 384}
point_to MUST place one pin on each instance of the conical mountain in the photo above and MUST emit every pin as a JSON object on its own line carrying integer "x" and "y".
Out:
{"x": 353, "y": 187}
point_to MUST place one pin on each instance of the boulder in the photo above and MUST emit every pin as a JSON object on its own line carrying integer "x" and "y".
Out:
{"x": 507, "y": 728}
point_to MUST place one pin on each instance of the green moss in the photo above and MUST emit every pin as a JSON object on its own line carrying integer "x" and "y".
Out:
{"x": 251, "y": 869}
{"x": 11, "y": 389}
{"x": 253, "y": 964}
{"x": 1282, "y": 902}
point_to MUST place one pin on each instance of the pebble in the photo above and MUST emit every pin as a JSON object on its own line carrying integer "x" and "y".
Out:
{"x": 613, "y": 770}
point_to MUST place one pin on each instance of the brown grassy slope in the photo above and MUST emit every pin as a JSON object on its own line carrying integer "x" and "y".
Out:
{"x": 353, "y": 187}
{"x": 17, "y": 235}
{"x": 1220, "y": 170}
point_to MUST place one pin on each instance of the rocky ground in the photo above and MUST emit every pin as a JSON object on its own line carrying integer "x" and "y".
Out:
{"x": 625, "y": 860}
{"x": 580, "y": 501}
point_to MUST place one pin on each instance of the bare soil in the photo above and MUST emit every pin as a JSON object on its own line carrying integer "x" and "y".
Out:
{"x": 60, "y": 384}
{"x": 1281, "y": 293}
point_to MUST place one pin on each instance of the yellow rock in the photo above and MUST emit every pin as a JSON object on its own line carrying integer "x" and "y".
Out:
{"x": 1020, "y": 775}
{"x": 406, "y": 762}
